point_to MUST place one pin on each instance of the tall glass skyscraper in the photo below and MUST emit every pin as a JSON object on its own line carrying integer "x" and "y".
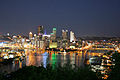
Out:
{"x": 54, "y": 33}
{"x": 30, "y": 35}
{"x": 72, "y": 37}
{"x": 40, "y": 30}
{"x": 64, "y": 34}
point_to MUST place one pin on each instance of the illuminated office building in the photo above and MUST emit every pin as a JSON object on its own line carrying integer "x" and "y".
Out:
{"x": 52, "y": 36}
{"x": 64, "y": 34}
{"x": 40, "y": 30}
{"x": 64, "y": 43}
{"x": 54, "y": 33}
{"x": 40, "y": 44}
{"x": 35, "y": 40}
{"x": 30, "y": 35}
{"x": 72, "y": 37}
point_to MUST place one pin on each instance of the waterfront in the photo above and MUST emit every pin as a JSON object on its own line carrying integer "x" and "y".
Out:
{"x": 53, "y": 58}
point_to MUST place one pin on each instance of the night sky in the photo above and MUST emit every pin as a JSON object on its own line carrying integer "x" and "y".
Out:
{"x": 84, "y": 17}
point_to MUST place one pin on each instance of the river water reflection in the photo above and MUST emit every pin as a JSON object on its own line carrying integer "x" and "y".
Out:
{"x": 54, "y": 59}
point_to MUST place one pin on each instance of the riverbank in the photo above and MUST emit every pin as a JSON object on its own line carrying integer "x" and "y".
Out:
{"x": 48, "y": 73}
{"x": 115, "y": 73}
{"x": 65, "y": 72}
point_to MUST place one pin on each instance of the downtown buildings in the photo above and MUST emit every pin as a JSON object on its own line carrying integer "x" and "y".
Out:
{"x": 42, "y": 40}
{"x": 45, "y": 41}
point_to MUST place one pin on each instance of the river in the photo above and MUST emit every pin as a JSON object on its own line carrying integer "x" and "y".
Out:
{"x": 53, "y": 58}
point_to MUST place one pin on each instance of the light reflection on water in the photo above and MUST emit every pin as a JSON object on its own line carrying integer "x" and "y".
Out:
{"x": 54, "y": 59}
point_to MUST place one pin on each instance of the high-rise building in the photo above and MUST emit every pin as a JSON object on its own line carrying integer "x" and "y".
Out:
{"x": 30, "y": 35}
{"x": 72, "y": 37}
{"x": 40, "y": 44}
{"x": 53, "y": 35}
{"x": 64, "y": 34}
{"x": 40, "y": 30}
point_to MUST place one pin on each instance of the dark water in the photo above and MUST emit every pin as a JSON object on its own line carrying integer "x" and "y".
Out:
{"x": 37, "y": 58}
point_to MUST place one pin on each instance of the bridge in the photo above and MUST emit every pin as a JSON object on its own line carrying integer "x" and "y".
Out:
{"x": 103, "y": 47}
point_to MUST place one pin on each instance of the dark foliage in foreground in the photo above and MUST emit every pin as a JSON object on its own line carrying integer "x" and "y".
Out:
{"x": 115, "y": 73}
{"x": 61, "y": 73}
{"x": 1, "y": 77}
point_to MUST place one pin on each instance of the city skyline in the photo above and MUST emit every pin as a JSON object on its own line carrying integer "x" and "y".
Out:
{"x": 84, "y": 18}
{"x": 59, "y": 39}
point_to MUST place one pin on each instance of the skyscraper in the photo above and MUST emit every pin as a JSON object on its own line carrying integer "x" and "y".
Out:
{"x": 64, "y": 34}
{"x": 30, "y": 35}
{"x": 72, "y": 37}
{"x": 40, "y": 30}
{"x": 54, "y": 34}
